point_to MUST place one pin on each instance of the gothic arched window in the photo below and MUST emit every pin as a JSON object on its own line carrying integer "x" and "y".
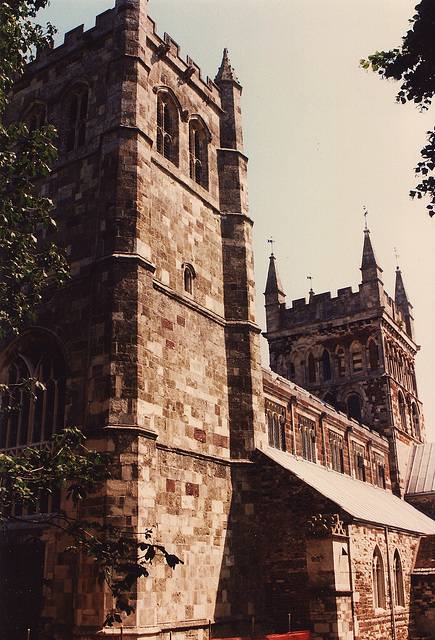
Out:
{"x": 198, "y": 152}
{"x": 77, "y": 114}
{"x": 402, "y": 411}
{"x": 415, "y": 421}
{"x": 354, "y": 407}
{"x": 373, "y": 355}
{"x": 167, "y": 127}
{"x": 326, "y": 365}
{"x": 378, "y": 578}
{"x": 35, "y": 117}
{"x": 399, "y": 591}
{"x": 24, "y": 421}
{"x": 311, "y": 368}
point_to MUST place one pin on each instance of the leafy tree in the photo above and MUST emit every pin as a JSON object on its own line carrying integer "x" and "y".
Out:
{"x": 26, "y": 265}
{"x": 413, "y": 63}
{"x": 25, "y": 158}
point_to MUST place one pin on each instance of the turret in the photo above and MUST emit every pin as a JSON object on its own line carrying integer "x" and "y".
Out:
{"x": 274, "y": 296}
{"x": 404, "y": 305}
{"x": 372, "y": 286}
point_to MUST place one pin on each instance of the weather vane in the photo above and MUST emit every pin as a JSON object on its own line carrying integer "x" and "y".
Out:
{"x": 365, "y": 217}
{"x": 272, "y": 242}
{"x": 397, "y": 257}
{"x": 310, "y": 278}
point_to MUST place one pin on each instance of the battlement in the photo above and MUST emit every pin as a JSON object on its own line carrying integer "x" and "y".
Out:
{"x": 104, "y": 22}
{"x": 323, "y": 307}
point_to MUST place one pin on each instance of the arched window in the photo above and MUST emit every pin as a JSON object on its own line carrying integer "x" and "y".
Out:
{"x": 326, "y": 365}
{"x": 188, "y": 277}
{"x": 276, "y": 424}
{"x": 311, "y": 368}
{"x": 402, "y": 411}
{"x": 415, "y": 421}
{"x": 77, "y": 114}
{"x": 354, "y": 407}
{"x": 341, "y": 364}
{"x": 35, "y": 117}
{"x": 25, "y": 421}
{"x": 357, "y": 362}
{"x": 167, "y": 127}
{"x": 378, "y": 578}
{"x": 198, "y": 152}
{"x": 399, "y": 592}
{"x": 373, "y": 355}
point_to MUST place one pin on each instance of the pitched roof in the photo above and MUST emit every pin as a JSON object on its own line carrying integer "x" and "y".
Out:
{"x": 361, "y": 500}
{"x": 421, "y": 475}
{"x": 425, "y": 561}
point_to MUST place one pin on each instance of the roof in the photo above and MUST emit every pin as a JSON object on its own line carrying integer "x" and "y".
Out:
{"x": 425, "y": 561}
{"x": 421, "y": 477}
{"x": 359, "y": 499}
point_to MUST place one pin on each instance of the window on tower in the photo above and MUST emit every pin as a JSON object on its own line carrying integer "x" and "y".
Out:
{"x": 402, "y": 411}
{"x": 353, "y": 403}
{"x": 167, "y": 127}
{"x": 77, "y": 114}
{"x": 373, "y": 355}
{"x": 326, "y": 365}
{"x": 341, "y": 364}
{"x": 311, "y": 368}
{"x": 198, "y": 152}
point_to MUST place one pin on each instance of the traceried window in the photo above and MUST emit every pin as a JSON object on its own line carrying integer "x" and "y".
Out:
{"x": 24, "y": 421}
{"x": 275, "y": 414}
{"x": 359, "y": 462}
{"x": 311, "y": 368}
{"x": 167, "y": 127}
{"x": 378, "y": 578}
{"x": 198, "y": 153}
{"x": 336, "y": 446}
{"x": 399, "y": 592}
{"x": 307, "y": 430}
{"x": 77, "y": 114}
{"x": 373, "y": 356}
{"x": 326, "y": 365}
{"x": 353, "y": 403}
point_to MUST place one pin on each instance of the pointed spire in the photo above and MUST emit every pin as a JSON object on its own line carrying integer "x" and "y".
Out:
{"x": 273, "y": 283}
{"x": 226, "y": 71}
{"x": 400, "y": 295}
{"x": 369, "y": 264}
{"x": 401, "y": 300}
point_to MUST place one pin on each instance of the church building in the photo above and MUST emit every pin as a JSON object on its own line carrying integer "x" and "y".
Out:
{"x": 287, "y": 491}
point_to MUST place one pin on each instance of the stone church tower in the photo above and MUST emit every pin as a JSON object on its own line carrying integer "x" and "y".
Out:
{"x": 355, "y": 351}
{"x": 152, "y": 348}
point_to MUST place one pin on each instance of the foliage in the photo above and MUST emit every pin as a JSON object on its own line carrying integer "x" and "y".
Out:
{"x": 28, "y": 479}
{"x": 414, "y": 65}
{"x": 25, "y": 157}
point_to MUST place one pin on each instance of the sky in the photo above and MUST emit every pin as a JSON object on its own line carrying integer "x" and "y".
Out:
{"x": 324, "y": 139}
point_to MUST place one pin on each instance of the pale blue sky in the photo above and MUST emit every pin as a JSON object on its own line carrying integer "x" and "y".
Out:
{"x": 323, "y": 136}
